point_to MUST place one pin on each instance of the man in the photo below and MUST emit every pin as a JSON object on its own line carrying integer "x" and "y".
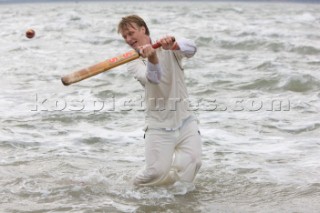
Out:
{"x": 172, "y": 138}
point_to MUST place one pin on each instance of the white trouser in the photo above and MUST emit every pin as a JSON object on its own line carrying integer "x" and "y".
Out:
{"x": 171, "y": 155}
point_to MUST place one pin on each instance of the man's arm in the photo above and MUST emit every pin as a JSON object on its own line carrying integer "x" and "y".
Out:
{"x": 187, "y": 47}
{"x": 154, "y": 71}
{"x": 137, "y": 69}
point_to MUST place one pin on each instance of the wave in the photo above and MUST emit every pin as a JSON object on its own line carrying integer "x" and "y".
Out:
{"x": 294, "y": 83}
{"x": 305, "y": 50}
{"x": 236, "y": 10}
{"x": 295, "y": 128}
{"x": 300, "y": 83}
{"x": 261, "y": 84}
{"x": 262, "y": 44}
{"x": 204, "y": 41}
{"x": 248, "y": 44}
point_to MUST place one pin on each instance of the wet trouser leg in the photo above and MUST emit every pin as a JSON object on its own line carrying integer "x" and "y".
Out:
{"x": 187, "y": 160}
{"x": 171, "y": 155}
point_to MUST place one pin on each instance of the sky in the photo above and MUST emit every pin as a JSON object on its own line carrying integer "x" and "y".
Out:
{"x": 316, "y": 1}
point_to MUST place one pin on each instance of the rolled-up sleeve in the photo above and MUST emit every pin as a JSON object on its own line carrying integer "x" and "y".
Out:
{"x": 187, "y": 47}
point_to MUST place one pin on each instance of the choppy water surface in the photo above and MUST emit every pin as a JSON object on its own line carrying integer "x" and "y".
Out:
{"x": 254, "y": 85}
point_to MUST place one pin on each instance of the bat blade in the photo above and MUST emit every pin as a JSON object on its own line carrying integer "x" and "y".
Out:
{"x": 99, "y": 67}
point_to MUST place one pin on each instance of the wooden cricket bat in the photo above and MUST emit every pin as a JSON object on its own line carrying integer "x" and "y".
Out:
{"x": 102, "y": 66}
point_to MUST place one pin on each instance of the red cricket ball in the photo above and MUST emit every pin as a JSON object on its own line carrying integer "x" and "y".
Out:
{"x": 30, "y": 33}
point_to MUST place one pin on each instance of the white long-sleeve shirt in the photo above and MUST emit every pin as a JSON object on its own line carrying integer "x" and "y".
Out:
{"x": 166, "y": 95}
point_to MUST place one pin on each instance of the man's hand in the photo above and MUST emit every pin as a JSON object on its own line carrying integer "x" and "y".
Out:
{"x": 147, "y": 51}
{"x": 168, "y": 43}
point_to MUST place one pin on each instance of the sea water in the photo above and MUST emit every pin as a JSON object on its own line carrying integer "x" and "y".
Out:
{"x": 254, "y": 84}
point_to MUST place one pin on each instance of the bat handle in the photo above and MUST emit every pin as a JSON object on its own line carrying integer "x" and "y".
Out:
{"x": 157, "y": 45}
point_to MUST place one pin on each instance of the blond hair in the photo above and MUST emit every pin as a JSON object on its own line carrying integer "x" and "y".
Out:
{"x": 129, "y": 20}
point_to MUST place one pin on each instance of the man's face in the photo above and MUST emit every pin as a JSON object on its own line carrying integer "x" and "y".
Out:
{"x": 135, "y": 36}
